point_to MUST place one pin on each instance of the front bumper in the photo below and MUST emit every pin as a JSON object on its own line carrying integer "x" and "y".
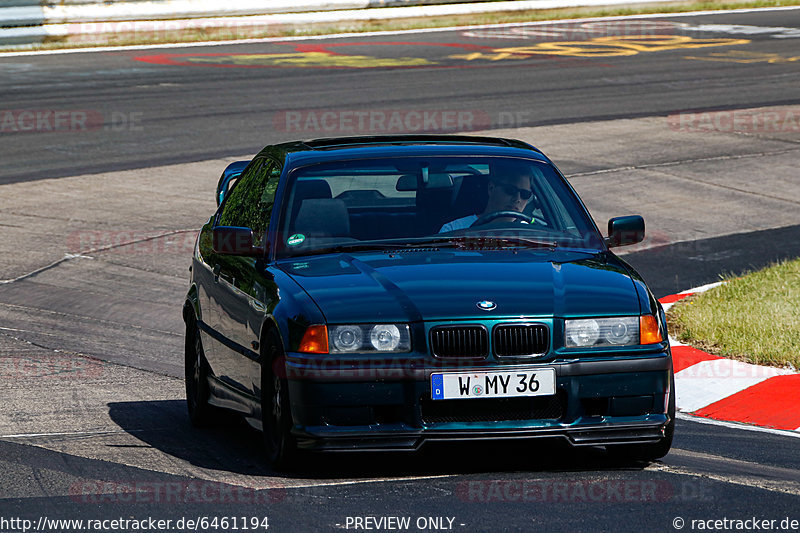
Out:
{"x": 385, "y": 405}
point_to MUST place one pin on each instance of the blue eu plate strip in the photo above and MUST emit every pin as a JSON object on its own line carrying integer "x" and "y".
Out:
{"x": 437, "y": 387}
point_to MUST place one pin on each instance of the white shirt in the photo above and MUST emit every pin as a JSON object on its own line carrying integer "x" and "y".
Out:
{"x": 459, "y": 223}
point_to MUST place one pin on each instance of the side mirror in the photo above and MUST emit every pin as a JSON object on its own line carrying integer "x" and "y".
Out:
{"x": 229, "y": 175}
{"x": 233, "y": 240}
{"x": 625, "y": 230}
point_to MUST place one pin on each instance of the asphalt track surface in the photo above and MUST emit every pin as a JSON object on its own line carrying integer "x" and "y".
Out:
{"x": 132, "y": 453}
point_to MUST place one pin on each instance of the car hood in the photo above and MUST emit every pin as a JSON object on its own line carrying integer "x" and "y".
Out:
{"x": 443, "y": 285}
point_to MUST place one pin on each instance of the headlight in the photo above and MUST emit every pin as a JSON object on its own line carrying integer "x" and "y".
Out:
{"x": 582, "y": 332}
{"x": 346, "y": 338}
{"x": 384, "y": 338}
{"x": 620, "y": 331}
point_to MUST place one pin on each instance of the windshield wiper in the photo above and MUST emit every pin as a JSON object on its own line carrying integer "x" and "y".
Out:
{"x": 351, "y": 247}
{"x": 380, "y": 246}
{"x": 513, "y": 242}
{"x": 461, "y": 242}
{"x": 506, "y": 242}
{"x": 481, "y": 242}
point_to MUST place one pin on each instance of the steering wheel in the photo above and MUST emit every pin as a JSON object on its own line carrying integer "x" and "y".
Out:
{"x": 488, "y": 217}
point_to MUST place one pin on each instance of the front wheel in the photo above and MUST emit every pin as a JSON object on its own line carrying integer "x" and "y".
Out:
{"x": 276, "y": 415}
{"x": 198, "y": 392}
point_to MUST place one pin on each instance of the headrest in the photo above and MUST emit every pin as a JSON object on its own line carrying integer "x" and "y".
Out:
{"x": 311, "y": 189}
{"x": 323, "y": 218}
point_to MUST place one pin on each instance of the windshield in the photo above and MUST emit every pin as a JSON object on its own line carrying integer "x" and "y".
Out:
{"x": 431, "y": 201}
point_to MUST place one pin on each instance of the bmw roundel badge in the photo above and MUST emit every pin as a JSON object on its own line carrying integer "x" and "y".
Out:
{"x": 486, "y": 305}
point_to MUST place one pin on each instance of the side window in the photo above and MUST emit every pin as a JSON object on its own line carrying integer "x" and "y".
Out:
{"x": 250, "y": 203}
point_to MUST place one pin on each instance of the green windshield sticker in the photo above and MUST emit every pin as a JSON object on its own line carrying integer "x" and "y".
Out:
{"x": 296, "y": 239}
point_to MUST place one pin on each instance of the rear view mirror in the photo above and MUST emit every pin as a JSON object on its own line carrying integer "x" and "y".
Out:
{"x": 406, "y": 182}
{"x": 410, "y": 182}
{"x": 625, "y": 230}
{"x": 233, "y": 240}
{"x": 229, "y": 176}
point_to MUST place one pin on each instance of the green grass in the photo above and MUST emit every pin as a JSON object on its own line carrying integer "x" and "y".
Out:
{"x": 221, "y": 34}
{"x": 752, "y": 318}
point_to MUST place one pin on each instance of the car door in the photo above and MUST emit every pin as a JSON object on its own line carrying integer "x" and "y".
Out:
{"x": 244, "y": 291}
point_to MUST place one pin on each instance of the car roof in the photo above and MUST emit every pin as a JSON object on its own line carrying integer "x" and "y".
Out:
{"x": 337, "y": 149}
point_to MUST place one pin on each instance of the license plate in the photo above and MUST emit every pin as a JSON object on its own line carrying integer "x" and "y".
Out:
{"x": 455, "y": 385}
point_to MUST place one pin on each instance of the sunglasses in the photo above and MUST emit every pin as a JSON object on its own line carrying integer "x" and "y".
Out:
{"x": 510, "y": 190}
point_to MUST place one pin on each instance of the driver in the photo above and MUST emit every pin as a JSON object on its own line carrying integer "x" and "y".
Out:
{"x": 507, "y": 192}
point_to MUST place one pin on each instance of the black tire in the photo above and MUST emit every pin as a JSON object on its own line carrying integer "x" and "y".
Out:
{"x": 198, "y": 392}
{"x": 651, "y": 451}
{"x": 276, "y": 414}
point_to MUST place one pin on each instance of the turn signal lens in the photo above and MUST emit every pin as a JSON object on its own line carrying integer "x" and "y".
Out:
{"x": 649, "y": 332}
{"x": 315, "y": 340}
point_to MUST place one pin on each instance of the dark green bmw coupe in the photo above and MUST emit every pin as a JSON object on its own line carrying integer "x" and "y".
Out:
{"x": 376, "y": 293}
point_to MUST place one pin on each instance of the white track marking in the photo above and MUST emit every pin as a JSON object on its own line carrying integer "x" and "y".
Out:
{"x": 672, "y": 340}
{"x": 734, "y": 471}
{"x": 82, "y": 433}
{"x": 737, "y": 425}
{"x": 781, "y": 486}
{"x": 740, "y": 463}
{"x": 703, "y": 288}
{"x": 82, "y": 255}
{"x": 360, "y": 481}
